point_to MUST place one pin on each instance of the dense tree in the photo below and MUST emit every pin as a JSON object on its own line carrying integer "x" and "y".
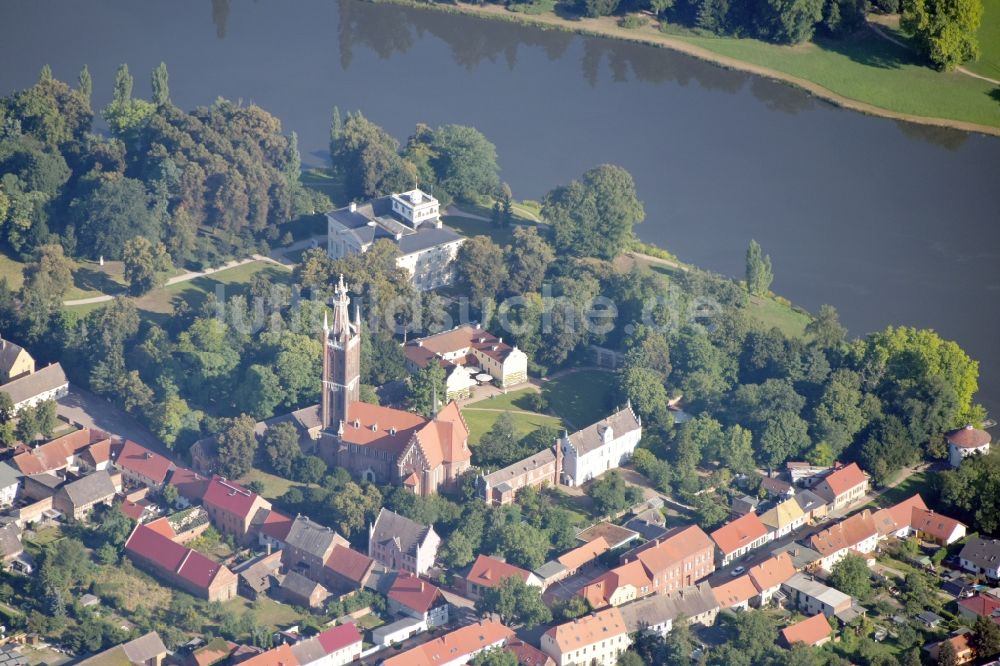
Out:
{"x": 281, "y": 447}
{"x": 516, "y": 602}
{"x": 114, "y": 211}
{"x": 945, "y": 30}
{"x": 46, "y": 418}
{"x": 480, "y": 268}
{"x": 160, "y": 85}
{"x": 788, "y": 21}
{"x": 46, "y": 281}
{"x": 593, "y": 217}
{"x": 656, "y": 470}
{"x": 644, "y": 388}
{"x": 737, "y": 454}
{"x": 428, "y": 390}
{"x": 125, "y": 115}
{"x": 495, "y": 657}
{"x": 852, "y": 576}
{"x": 758, "y": 274}
{"x": 947, "y": 656}
{"x": 972, "y": 492}
{"x": 841, "y": 413}
{"x": 86, "y": 84}
{"x": 499, "y": 446}
{"x": 237, "y": 445}
{"x": 368, "y": 157}
{"x": 612, "y": 495}
{"x": 629, "y": 659}
{"x": 595, "y": 8}
{"x": 985, "y": 637}
{"x": 145, "y": 264}
{"x": 528, "y": 259}
{"x": 260, "y": 391}
{"x": 464, "y": 162}
{"x": 456, "y": 551}
{"x": 354, "y": 506}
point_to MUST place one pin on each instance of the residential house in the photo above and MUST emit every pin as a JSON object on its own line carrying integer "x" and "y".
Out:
{"x": 280, "y": 655}
{"x": 42, "y": 486}
{"x": 738, "y": 537}
{"x": 141, "y": 467}
{"x": 964, "y": 651}
{"x": 152, "y": 548}
{"x": 232, "y": 508}
{"x": 575, "y": 559}
{"x": 464, "y": 352}
{"x": 488, "y": 572}
{"x": 409, "y": 220}
{"x": 624, "y": 583}
{"x": 804, "y": 474}
{"x": 597, "y": 639}
{"x": 897, "y": 520}
{"x": 777, "y": 489}
{"x": 601, "y": 446}
{"x": 191, "y": 485}
{"x": 10, "y": 543}
{"x": 76, "y": 499}
{"x": 347, "y": 570}
{"x": 843, "y": 487}
{"x": 147, "y": 650}
{"x": 736, "y": 594}
{"x": 677, "y": 560}
{"x": 49, "y": 383}
{"x": 813, "y": 506}
{"x": 783, "y": 518}
{"x": 965, "y": 442}
{"x": 336, "y": 646}
{"x": 418, "y": 599}
{"x": 297, "y": 590}
{"x": 272, "y": 528}
{"x": 10, "y": 482}
{"x": 935, "y": 528}
{"x": 260, "y": 577}
{"x": 396, "y": 632}
{"x": 527, "y": 654}
{"x": 308, "y": 546}
{"x": 95, "y": 457}
{"x": 402, "y": 544}
{"x": 743, "y": 505}
{"x": 652, "y": 615}
{"x": 58, "y": 454}
{"x": 856, "y": 534}
{"x": 980, "y": 605}
{"x": 811, "y": 597}
{"x": 803, "y": 557}
{"x": 813, "y": 631}
{"x": 768, "y": 576}
{"x": 455, "y": 648}
{"x": 540, "y": 469}
{"x": 981, "y": 556}
{"x": 15, "y": 361}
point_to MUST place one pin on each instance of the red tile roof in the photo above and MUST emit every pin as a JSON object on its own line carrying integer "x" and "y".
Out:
{"x": 739, "y": 533}
{"x": 453, "y": 645}
{"x": 734, "y": 592}
{"x": 142, "y": 461}
{"x": 845, "y": 478}
{"x": 981, "y": 604}
{"x": 276, "y": 525}
{"x": 279, "y": 656}
{"x": 56, "y": 454}
{"x": 380, "y": 428}
{"x": 528, "y": 655}
{"x": 152, "y": 545}
{"x": 897, "y": 516}
{"x": 413, "y": 593}
{"x": 599, "y": 591}
{"x": 133, "y": 510}
{"x": 339, "y": 637}
{"x": 938, "y": 526}
{"x": 809, "y": 631}
{"x": 488, "y": 571}
{"x": 845, "y": 534}
{"x": 349, "y": 563}
{"x": 190, "y": 485}
{"x": 230, "y": 497}
{"x": 674, "y": 547}
{"x": 588, "y": 630}
{"x": 576, "y": 558}
{"x": 968, "y": 438}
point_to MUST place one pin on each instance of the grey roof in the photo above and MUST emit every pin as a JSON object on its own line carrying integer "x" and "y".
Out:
{"x": 802, "y": 556}
{"x": 10, "y": 541}
{"x": 8, "y": 353}
{"x": 312, "y": 538}
{"x": 744, "y": 504}
{"x": 928, "y": 617}
{"x": 374, "y": 220}
{"x": 144, "y": 648}
{"x": 308, "y": 651}
{"x": 646, "y": 528}
{"x": 851, "y": 613}
{"x": 378, "y": 633}
{"x": 549, "y": 569}
{"x": 390, "y": 526}
{"x": 258, "y": 576}
{"x": 91, "y": 488}
{"x": 12, "y": 658}
{"x": 47, "y": 379}
{"x": 540, "y": 459}
{"x": 591, "y": 437}
{"x": 809, "y": 501}
{"x": 89, "y": 600}
{"x": 9, "y": 475}
{"x": 984, "y": 553}
{"x": 648, "y": 612}
{"x": 426, "y": 238}
{"x": 305, "y": 420}
{"x": 47, "y": 479}
{"x": 298, "y": 584}
{"x": 815, "y": 589}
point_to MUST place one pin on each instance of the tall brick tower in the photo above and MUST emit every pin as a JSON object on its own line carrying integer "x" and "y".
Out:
{"x": 341, "y": 361}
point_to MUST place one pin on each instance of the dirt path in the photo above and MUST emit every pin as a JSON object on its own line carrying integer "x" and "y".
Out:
{"x": 608, "y": 28}
{"x": 961, "y": 70}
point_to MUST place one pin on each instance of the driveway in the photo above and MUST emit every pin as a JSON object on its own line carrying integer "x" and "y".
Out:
{"x": 87, "y": 410}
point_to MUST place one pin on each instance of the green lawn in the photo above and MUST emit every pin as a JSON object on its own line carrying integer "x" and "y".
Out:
{"x": 518, "y": 401}
{"x": 195, "y": 292}
{"x": 915, "y": 483}
{"x": 581, "y": 398}
{"x": 772, "y": 313}
{"x": 89, "y": 278}
{"x": 872, "y": 70}
{"x": 468, "y": 226}
{"x": 274, "y": 486}
{"x": 322, "y": 181}
{"x": 480, "y": 420}
{"x": 266, "y": 611}
{"x": 989, "y": 42}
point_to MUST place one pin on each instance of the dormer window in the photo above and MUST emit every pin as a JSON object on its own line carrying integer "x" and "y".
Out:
{"x": 357, "y": 423}
{"x": 374, "y": 427}
{"x": 392, "y": 430}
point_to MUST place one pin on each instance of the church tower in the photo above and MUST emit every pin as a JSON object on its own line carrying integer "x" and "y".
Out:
{"x": 341, "y": 361}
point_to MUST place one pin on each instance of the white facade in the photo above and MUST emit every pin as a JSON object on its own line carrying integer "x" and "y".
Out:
{"x": 399, "y": 631}
{"x": 956, "y": 454}
{"x": 603, "y": 652}
{"x": 8, "y": 494}
{"x": 589, "y": 453}
{"x": 51, "y": 394}
{"x": 866, "y": 545}
{"x": 431, "y": 267}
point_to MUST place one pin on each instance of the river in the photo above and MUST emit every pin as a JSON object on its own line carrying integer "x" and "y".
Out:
{"x": 892, "y": 223}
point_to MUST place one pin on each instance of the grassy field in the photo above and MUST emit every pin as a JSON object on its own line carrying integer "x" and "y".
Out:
{"x": 274, "y": 486}
{"x": 266, "y": 611}
{"x": 581, "y": 398}
{"x": 772, "y": 313}
{"x": 989, "y": 42}
{"x": 129, "y": 590}
{"x": 870, "y": 69}
{"x": 89, "y": 278}
{"x": 480, "y": 420}
{"x": 468, "y": 226}
{"x": 915, "y": 483}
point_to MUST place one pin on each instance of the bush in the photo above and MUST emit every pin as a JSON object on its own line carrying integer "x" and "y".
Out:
{"x": 632, "y": 21}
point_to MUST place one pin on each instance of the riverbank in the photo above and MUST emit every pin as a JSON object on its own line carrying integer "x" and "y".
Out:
{"x": 864, "y": 73}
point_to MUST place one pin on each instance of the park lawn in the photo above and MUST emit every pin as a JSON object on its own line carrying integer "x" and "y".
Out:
{"x": 89, "y": 278}
{"x": 195, "y": 292}
{"x": 989, "y": 42}
{"x": 915, "y": 483}
{"x": 517, "y": 401}
{"x": 870, "y": 69}
{"x": 772, "y": 313}
{"x": 323, "y": 181}
{"x": 274, "y": 485}
{"x": 468, "y": 226}
{"x": 581, "y": 398}
{"x": 266, "y": 611}
{"x": 481, "y": 420}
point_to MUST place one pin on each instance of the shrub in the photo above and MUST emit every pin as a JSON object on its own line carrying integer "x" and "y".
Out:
{"x": 632, "y": 21}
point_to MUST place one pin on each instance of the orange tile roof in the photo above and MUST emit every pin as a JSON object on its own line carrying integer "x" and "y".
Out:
{"x": 739, "y": 533}
{"x": 845, "y": 534}
{"x": 674, "y": 547}
{"x": 938, "y": 526}
{"x": 845, "y": 478}
{"x": 588, "y": 630}
{"x": 137, "y": 458}
{"x": 279, "y": 656}
{"x": 380, "y": 428}
{"x": 55, "y": 454}
{"x": 898, "y": 515}
{"x": 414, "y": 593}
{"x": 580, "y": 555}
{"x": 599, "y": 591}
{"x": 451, "y": 646}
{"x": 809, "y": 631}
{"x": 488, "y": 571}
{"x": 459, "y": 339}
{"x": 772, "y": 572}
{"x": 162, "y": 526}
{"x": 734, "y": 592}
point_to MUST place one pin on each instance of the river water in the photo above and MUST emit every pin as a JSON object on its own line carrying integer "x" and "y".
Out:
{"x": 890, "y": 222}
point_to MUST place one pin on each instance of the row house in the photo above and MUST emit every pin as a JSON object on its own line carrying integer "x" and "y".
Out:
{"x": 598, "y": 639}
{"x": 856, "y": 534}
{"x": 678, "y": 559}
{"x": 784, "y": 518}
{"x": 768, "y": 576}
{"x": 843, "y": 487}
{"x": 455, "y": 648}
{"x": 141, "y": 467}
{"x": 656, "y": 614}
{"x": 738, "y": 537}
{"x": 537, "y": 470}
{"x": 309, "y": 546}
{"x": 418, "y": 599}
{"x": 232, "y": 508}
{"x": 402, "y": 544}
{"x": 736, "y": 594}
{"x": 336, "y": 646}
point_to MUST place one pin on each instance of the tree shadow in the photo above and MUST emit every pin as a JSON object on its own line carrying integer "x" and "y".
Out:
{"x": 995, "y": 94}
{"x": 89, "y": 279}
{"x": 867, "y": 48}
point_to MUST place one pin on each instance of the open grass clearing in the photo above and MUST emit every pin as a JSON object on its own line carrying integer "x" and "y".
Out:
{"x": 918, "y": 482}
{"x": 274, "y": 485}
{"x": 772, "y": 313}
{"x": 989, "y": 42}
{"x": 481, "y": 420}
{"x": 468, "y": 226}
{"x": 266, "y": 611}
{"x": 582, "y": 397}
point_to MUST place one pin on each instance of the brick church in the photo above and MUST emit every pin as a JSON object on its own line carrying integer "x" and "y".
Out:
{"x": 381, "y": 444}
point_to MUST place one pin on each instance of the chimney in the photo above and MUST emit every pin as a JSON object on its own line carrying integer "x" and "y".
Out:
{"x": 353, "y": 207}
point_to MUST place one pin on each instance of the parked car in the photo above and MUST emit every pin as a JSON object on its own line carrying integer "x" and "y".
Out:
{"x": 737, "y": 571}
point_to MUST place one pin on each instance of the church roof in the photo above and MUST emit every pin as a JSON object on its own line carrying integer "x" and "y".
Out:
{"x": 381, "y": 428}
